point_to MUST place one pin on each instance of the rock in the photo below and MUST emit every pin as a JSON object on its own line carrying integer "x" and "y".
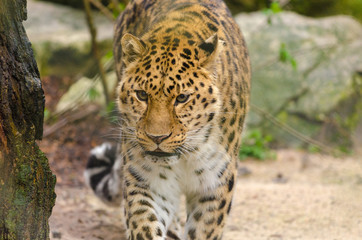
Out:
{"x": 84, "y": 91}
{"x": 321, "y": 97}
{"x": 57, "y": 235}
{"x": 60, "y": 37}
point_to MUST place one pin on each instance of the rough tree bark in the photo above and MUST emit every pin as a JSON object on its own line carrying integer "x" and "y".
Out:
{"x": 26, "y": 182}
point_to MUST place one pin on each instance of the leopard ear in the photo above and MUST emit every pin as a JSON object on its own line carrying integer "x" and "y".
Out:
{"x": 132, "y": 48}
{"x": 209, "y": 49}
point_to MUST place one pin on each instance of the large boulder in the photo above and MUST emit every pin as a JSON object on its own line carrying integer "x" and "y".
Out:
{"x": 61, "y": 39}
{"x": 320, "y": 98}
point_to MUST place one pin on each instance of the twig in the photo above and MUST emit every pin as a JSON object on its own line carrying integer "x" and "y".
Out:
{"x": 72, "y": 117}
{"x": 294, "y": 98}
{"x": 103, "y": 9}
{"x": 292, "y": 131}
{"x": 95, "y": 49}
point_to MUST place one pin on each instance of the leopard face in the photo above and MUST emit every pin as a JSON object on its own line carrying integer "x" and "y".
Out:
{"x": 167, "y": 94}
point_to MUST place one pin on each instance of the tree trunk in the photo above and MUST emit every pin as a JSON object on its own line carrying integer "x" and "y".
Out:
{"x": 26, "y": 182}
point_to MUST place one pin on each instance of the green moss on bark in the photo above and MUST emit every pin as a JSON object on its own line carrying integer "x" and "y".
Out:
{"x": 26, "y": 182}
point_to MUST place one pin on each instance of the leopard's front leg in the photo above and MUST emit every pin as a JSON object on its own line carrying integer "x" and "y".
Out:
{"x": 208, "y": 210}
{"x": 148, "y": 211}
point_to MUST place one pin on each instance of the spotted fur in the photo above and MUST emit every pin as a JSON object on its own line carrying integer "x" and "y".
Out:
{"x": 184, "y": 81}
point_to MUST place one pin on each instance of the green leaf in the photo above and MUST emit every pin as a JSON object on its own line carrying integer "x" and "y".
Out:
{"x": 93, "y": 94}
{"x": 271, "y": 11}
{"x": 255, "y": 145}
{"x": 110, "y": 108}
{"x": 286, "y": 57}
{"x": 108, "y": 55}
{"x": 46, "y": 114}
{"x": 121, "y": 7}
{"x": 275, "y": 7}
{"x": 294, "y": 63}
{"x": 283, "y": 53}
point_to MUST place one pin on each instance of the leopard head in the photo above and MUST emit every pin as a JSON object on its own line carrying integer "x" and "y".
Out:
{"x": 167, "y": 92}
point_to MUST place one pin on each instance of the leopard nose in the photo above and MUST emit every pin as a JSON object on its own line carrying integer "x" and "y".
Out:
{"x": 158, "y": 138}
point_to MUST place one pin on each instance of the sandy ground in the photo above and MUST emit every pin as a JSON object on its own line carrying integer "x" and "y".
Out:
{"x": 296, "y": 196}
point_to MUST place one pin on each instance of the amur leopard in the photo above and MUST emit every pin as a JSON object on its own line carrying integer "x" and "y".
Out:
{"x": 184, "y": 82}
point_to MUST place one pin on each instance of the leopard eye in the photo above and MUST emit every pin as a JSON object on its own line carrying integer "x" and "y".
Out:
{"x": 182, "y": 98}
{"x": 141, "y": 95}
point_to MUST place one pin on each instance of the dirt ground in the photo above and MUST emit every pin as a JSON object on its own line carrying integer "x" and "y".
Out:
{"x": 296, "y": 196}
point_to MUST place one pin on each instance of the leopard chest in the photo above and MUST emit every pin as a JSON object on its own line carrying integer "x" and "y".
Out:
{"x": 193, "y": 173}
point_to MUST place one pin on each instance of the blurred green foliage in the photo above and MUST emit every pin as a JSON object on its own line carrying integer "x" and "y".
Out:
{"x": 286, "y": 57}
{"x": 93, "y": 94}
{"x": 111, "y": 112}
{"x": 255, "y": 145}
{"x": 46, "y": 114}
{"x": 319, "y": 8}
{"x": 273, "y": 9}
{"x": 116, "y": 10}
{"x": 313, "y": 8}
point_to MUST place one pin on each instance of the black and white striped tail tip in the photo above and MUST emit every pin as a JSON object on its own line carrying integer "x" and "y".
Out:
{"x": 103, "y": 174}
